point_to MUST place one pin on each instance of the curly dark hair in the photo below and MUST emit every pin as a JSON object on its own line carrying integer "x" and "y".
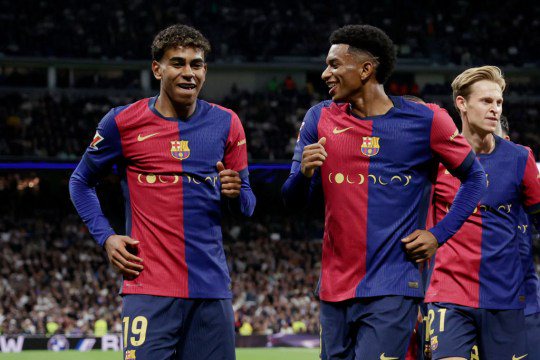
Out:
{"x": 372, "y": 39}
{"x": 178, "y": 35}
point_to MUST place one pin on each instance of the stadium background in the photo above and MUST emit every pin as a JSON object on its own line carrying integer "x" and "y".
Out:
{"x": 63, "y": 65}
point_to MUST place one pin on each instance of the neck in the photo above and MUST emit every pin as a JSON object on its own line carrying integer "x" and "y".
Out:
{"x": 166, "y": 107}
{"x": 481, "y": 143}
{"x": 371, "y": 101}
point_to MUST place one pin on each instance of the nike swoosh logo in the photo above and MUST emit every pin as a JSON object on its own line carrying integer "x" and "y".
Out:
{"x": 339, "y": 131}
{"x": 384, "y": 357}
{"x": 519, "y": 358}
{"x": 142, "y": 138}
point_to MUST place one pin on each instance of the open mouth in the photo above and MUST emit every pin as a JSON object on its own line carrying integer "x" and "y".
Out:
{"x": 187, "y": 86}
{"x": 332, "y": 88}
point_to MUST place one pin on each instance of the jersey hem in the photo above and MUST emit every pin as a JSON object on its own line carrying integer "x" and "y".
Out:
{"x": 343, "y": 297}
{"x": 436, "y": 299}
{"x": 174, "y": 293}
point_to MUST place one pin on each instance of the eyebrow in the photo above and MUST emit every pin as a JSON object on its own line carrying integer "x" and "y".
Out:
{"x": 489, "y": 97}
{"x": 181, "y": 59}
{"x": 331, "y": 59}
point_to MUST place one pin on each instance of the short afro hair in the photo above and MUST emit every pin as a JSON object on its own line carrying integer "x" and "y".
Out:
{"x": 178, "y": 35}
{"x": 373, "y": 40}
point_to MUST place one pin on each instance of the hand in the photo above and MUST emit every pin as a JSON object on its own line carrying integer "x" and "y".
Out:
{"x": 120, "y": 256}
{"x": 313, "y": 157}
{"x": 420, "y": 245}
{"x": 230, "y": 181}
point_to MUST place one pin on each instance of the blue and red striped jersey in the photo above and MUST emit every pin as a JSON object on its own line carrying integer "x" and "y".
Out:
{"x": 172, "y": 193}
{"x": 531, "y": 283}
{"x": 377, "y": 182}
{"x": 480, "y": 265}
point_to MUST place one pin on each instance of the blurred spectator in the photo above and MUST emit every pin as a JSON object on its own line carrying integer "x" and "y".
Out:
{"x": 55, "y": 279}
{"x": 59, "y": 126}
{"x": 52, "y": 327}
{"x": 100, "y": 327}
{"x": 270, "y": 30}
{"x": 246, "y": 329}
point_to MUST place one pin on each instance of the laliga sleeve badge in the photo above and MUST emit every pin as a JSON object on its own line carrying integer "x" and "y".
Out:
{"x": 97, "y": 139}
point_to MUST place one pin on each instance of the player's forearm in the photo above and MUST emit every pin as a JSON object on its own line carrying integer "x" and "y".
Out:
{"x": 245, "y": 203}
{"x": 83, "y": 195}
{"x": 296, "y": 189}
{"x": 473, "y": 186}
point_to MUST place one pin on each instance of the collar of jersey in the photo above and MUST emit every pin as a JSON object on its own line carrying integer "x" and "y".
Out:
{"x": 389, "y": 113}
{"x": 497, "y": 143}
{"x": 152, "y": 106}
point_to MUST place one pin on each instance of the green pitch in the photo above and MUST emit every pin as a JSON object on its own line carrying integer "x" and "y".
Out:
{"x": 241, "y": 354}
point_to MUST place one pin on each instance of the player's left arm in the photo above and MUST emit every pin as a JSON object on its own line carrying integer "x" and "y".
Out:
{"x": 530, "y": 189}
{"x": 453, "y": 150}
{"x": 233, "y": 171}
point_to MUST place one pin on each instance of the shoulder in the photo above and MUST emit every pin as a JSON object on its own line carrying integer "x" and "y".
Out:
{"x": 124, "y": 111}
{"x": 426, "y": 113}
{"x": 217, "y": 110}
{"x": 315, "y": 111}
{"x": 325, "y": 104}
{"x": 511, "y": 147}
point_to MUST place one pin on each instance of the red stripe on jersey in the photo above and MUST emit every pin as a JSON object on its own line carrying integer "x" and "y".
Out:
{"x": 456, "y": 273}
{"x": 236, "y": 148}
{"x": 531, "y": 182}
{"x": 156, "y": 196}
{"x": 345, "y": 184}
{"x": 445, "y": 140}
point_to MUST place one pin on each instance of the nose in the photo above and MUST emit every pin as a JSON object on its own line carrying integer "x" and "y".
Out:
{"x": 326, "y": 74}
{"x": 187, "y": 72}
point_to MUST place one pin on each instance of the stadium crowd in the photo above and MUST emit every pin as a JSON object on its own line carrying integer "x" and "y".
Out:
{"x": 51, "y": 271}
{"x": 442, "y": 33}
{"x": 61, "y": 126}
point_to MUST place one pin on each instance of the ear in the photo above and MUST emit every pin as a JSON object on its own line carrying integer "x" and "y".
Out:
{"x": 368, "y": 69}
{"x": 156, "y": 69}
{"x": 461, "y": 103}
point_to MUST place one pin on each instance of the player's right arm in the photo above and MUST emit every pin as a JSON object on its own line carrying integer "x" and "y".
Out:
{"x": 104, "y": 150}
{"x": 453, "y": 150}
{"x": 309, "y": 155}
{"x": 455, "y": 153}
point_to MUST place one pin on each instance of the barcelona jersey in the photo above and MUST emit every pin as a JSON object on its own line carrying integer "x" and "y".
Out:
{"x": 377, "y": 182}
{"x": 172, "y": 193}
{"x": 480, "y": 265}
{"x": 531, "y": 283}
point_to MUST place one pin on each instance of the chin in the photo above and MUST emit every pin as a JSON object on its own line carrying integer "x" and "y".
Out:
{"x": 185, "y": 100}
{"x": 339, "y": 98}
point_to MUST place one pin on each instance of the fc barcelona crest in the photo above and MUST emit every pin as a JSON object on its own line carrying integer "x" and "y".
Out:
{"x": 370, "y": 145}
{"x": 180, "y": 149}
{"x": 434, "y": 343}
